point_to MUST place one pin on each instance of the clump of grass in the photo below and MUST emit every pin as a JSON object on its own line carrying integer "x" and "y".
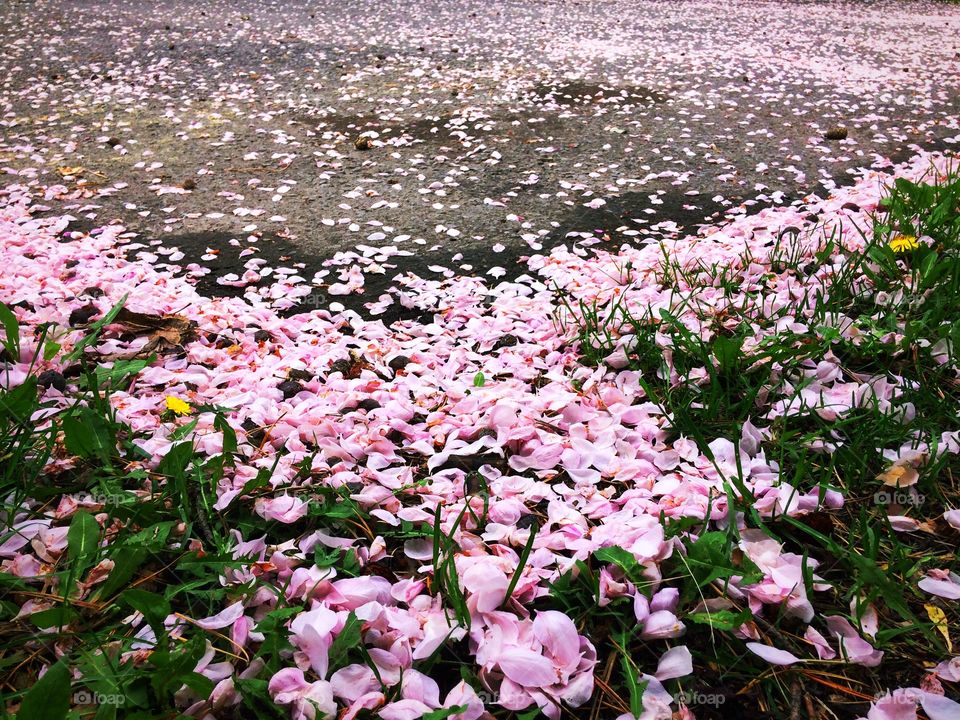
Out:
{"x": 889, "y": 309}
{"x": 155, "y": 546}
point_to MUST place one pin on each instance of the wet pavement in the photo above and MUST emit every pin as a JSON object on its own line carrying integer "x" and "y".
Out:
{"x": 347, "y": 142}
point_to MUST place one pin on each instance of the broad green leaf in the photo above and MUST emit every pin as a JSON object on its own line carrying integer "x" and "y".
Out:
{"x": 88, "y": 435}
{"x": 55, "y": 617}
{"x": 111, "y": 376}
{"x": 348, "y": 638}
{"x": 83, "y": 538}
{"x": 20, "y": 402}
{"x": 49, "y": 698}
{"x": 621, "y": 557}
{"x": 153, "y": 607}
{"x": 12, "y": 331}
{"x": 720, "y": 619}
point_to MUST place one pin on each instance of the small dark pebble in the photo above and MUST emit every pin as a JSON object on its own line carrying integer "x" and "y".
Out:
{"x": 300, "y": 375}
{"x": 472, "y": 462}
{"x": 113, "y": 141}
{"x": 368, "y": 404}
{"x": 73, "y": 371}
{"x": 528, "y": 521}
{"x": 262, "y": 336}
{"x": 362, "y": 143}
{"x": 341, "y": 366}
{"x": 71, "y": 263}
{"x": 189, "y": 184}
{"x": 398, "y": 363}
{"x": 51, "y": 378}
{"x": 836, "y": 133}
{"x": 506, "y": 341}
{"x": 83, "y": 315}
{"x": 92, "y": 292}
{"x": 472, "y": 484}
{"x": 853, "y": 207}
{"x": 255, "y": 433}
{"x": 289, "y": 388}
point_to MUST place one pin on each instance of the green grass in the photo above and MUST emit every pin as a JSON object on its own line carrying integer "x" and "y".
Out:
{"x": 907, "y": 308}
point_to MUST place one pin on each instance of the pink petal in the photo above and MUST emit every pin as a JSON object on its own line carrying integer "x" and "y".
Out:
{"x": 939, "y": 707}
{"x": 953, "y": 517}
{"x": 404, "y": 710}
{"x": 287, "y": 685}
{"x": 941, "y": 588}
{"x": 225, "y": 617}
{"x": 662, "y": 625}
{"x": 557, "y": 633}
{"x": 772, "y": 655}
{"x": 949, "y": 670}
{"x": 897, "y": 706}
{"x": 824, "y": 651}
{"x": 527, "y": 668}
{"x": 676, "y": 662}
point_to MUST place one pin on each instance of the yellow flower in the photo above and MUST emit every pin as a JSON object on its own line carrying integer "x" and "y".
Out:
{"x": 177, "y": 405}
{"x": 903, "y": 243}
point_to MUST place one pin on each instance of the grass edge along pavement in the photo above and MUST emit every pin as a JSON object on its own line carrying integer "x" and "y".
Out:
{"x": 791, "y": 389}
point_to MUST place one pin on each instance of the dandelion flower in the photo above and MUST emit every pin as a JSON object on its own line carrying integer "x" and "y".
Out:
{"x": 177, "y": 405}
{"x": 903, "y": 243}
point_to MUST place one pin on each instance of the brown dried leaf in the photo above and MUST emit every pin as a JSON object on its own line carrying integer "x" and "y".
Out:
{"x": 165, "y": 332}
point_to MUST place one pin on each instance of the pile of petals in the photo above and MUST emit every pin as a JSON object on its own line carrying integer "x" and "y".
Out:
{"x": 488, "y": 373}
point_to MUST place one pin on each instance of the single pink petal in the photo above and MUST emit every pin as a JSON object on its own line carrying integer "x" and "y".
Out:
{"x": 899, "y": 705}
{"x": 662, "y": 625}
{"x": 941, "y": 588}
{"x": 675, "y": 662}
{"x": 853, "y": 647}
{"x": 579, "y": 690}
{"x": 527, "y": 668}
{"x": 284, "y": 509}
{"x": 404, "y": 710}
{"x": 557, "y": 633}
{"x": 463, "y": 694}
{"x": 417, "y": 686}
{"x": 488, "y": 584}
{"x": 352, "y": 681}
{"x": 225, "y": 617}
{"x": 824, "y": 651}
{"x": 953, "y": 517}
{"x": 287, "y": 684}
{"x": 665, "y": 599}
{"x": 939, "y": 707}
{"x": 772, "y": 655}
{"x": 641, "y": 606}
{"x": 949, "y": 670}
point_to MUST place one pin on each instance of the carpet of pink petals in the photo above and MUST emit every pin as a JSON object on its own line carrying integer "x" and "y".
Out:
{"x": 584, "y": 444}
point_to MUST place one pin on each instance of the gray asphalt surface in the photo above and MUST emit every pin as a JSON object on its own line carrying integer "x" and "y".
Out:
{"x": 495, "y": 129}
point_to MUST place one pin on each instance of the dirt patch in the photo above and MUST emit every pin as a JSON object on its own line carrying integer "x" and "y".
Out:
{"x": 276, "y": 251}
{"x": 580, "y": 92}
{"x": 629, "y": 212}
